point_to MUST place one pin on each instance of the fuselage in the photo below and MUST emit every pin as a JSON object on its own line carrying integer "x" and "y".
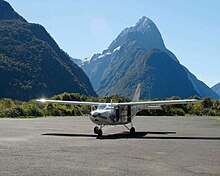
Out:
{"x": 111, "y": 114}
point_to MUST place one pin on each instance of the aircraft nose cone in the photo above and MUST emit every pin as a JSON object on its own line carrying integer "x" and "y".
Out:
{"x": 94, "y": 114}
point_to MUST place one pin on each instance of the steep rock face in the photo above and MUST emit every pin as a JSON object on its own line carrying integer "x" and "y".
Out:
{"x": 76, "y": 61}
{"x": 216, "y": 88}
{"x": 202, "y": 89}
{"x": 144, "y": 32}
{"x": 97, "y": 68}
{"x": 8, "y": 13}
{"x": 32, "y": 64}
{"x": 112, "y": 72}
{"x": 160, "y": 75}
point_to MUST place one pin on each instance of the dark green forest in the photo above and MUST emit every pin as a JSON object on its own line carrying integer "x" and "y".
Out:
{"x": 31, "y": 109}
{"x": 32, "y": 64}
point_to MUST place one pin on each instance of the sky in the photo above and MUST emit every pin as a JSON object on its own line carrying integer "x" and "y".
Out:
{"x": 190, "y": 28}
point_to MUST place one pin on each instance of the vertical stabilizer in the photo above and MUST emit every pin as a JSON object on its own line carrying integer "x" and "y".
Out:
{"x": 137, "y": 93}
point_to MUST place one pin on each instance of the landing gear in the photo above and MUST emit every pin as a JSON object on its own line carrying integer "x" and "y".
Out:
{"x": 132, "y": 129}
{"x": 98, "y": 130}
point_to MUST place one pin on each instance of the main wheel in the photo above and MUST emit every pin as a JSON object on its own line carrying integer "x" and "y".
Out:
{"x": 99, "y": 132}
{"x": 132, "y": 130}
{"x": 96, "y": 129}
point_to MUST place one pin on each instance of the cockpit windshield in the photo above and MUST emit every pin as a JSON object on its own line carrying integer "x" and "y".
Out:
{"x": 104, "y": 106}
{"x": 101, "y": 106}
{"x": 110, "y": 107}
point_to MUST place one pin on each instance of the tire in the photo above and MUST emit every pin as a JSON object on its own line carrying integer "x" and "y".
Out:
{"x": 96, "y": 129}
{"x": 132, "y": 130}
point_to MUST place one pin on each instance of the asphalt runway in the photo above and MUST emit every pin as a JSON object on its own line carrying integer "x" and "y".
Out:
{"x": 67, "y": 146}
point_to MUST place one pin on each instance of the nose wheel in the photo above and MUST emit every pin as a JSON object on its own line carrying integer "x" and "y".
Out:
{"x": 98, "y": 130}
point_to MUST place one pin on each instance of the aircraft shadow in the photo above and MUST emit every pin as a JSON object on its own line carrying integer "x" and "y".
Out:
{"x": 69, "y": 135}
{"x": 137, "y": 135}
{"x": 110, "y": 136}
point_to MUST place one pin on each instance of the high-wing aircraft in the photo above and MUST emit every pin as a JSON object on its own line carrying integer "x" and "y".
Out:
{"x": 119, "y": 113}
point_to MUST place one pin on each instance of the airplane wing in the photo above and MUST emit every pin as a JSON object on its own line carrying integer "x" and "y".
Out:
{"x": 147, "y": 103}
{"x": 68, "y": 102}
{"x": 158, "y": 103}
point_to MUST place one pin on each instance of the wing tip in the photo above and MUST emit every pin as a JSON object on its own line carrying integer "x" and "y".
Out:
{"x": 42, "y": 100}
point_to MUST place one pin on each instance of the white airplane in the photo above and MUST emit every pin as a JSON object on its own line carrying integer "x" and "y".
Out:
{"x": 119, "y": 113}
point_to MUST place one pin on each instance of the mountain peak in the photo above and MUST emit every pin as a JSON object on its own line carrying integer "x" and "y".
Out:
{"x": 8, "y": 13}
{"x": 144, "y": 23}
{"x": 145, "y": 33}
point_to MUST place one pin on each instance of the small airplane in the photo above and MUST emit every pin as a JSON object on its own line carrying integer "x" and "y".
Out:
{"x": 119, "y": 113}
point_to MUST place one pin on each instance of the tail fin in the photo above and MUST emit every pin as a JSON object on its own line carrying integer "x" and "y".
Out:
{"x": 137, "y": 93}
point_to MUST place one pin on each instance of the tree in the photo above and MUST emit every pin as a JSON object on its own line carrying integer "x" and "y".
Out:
{"x": 207, "y": 102}
{"x": 6, "y": 103}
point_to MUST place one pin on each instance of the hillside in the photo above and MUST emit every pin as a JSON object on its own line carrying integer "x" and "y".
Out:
{"x": 139, "y": 54}
{"x": 216, "y": 88}
{"x": 32, "y": 64}
{"x": 151, "y": 68}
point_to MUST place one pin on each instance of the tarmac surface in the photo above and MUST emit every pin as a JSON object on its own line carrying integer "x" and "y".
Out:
{"x": 67, "y": 146}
